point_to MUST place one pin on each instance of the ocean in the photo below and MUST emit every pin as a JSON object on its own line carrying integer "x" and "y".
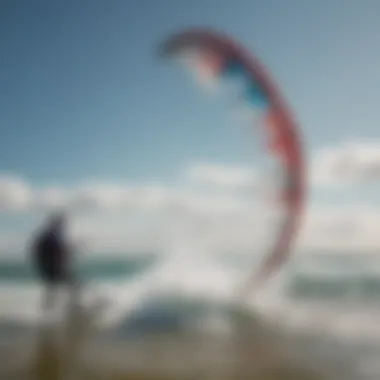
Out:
{"x": 329, "y": 304}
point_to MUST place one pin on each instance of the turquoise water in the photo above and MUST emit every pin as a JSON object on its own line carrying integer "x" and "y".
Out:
{"x": 20, "y": 271}
{"x": 354, "y": 286}
{"x": 336, "y": 278}
{"x": 326, "y": 280}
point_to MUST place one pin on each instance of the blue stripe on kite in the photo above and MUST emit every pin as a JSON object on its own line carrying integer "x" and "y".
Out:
{"x": 234, "y": 69}
{"x": 255, "y": 95}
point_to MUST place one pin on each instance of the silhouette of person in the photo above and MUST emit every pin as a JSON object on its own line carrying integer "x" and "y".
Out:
{"x": 52, "y": 259}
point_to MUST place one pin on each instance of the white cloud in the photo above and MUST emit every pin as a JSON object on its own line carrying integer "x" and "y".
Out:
{"x": 125, "y": 217}
{"x": 346, "y": 228}
{"x": 110, "y": 216}
{"x": 15, "y": 193}
{"x": 352, "y": 162}
{"x": 349, "y": 228}
{"x": 99, "y": 196}
{"x": 231, "y": 177}
{"x": 50, "y": 198}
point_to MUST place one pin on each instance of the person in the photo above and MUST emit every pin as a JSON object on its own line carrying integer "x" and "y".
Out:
{"x": 52, "y": 259}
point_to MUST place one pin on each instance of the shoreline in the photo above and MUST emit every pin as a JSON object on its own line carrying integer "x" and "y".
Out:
{"x": 254, "y": 352}
{"x": 158, "y": 361}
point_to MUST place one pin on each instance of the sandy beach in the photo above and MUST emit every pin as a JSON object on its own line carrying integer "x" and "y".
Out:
{"x": 47, "y": 362}
{"x": 253, "y": 352}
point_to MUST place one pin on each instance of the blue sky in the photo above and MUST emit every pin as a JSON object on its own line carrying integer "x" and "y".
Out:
{"x": 84, "y": 96}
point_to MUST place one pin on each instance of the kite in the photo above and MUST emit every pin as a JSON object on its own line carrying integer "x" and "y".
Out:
{"x": 216, "y": 56}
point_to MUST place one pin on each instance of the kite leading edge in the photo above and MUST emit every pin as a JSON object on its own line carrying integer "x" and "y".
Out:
{"x": 220, "y": 57}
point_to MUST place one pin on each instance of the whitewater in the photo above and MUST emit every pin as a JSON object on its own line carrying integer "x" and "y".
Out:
{"x": 332, "y": 308}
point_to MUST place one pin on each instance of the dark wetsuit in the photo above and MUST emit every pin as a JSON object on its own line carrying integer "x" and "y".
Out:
{"x": 51, "y": 259}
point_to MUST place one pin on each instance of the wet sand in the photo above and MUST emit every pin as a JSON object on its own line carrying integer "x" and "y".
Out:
{"x": 253, "y": 352}
{"x": 48, "y": 363}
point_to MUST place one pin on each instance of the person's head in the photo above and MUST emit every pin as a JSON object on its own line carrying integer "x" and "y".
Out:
{"x": 57, "y": 221}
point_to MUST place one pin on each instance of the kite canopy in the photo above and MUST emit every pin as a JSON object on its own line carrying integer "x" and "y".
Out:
{"x": 219, "y": 57}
